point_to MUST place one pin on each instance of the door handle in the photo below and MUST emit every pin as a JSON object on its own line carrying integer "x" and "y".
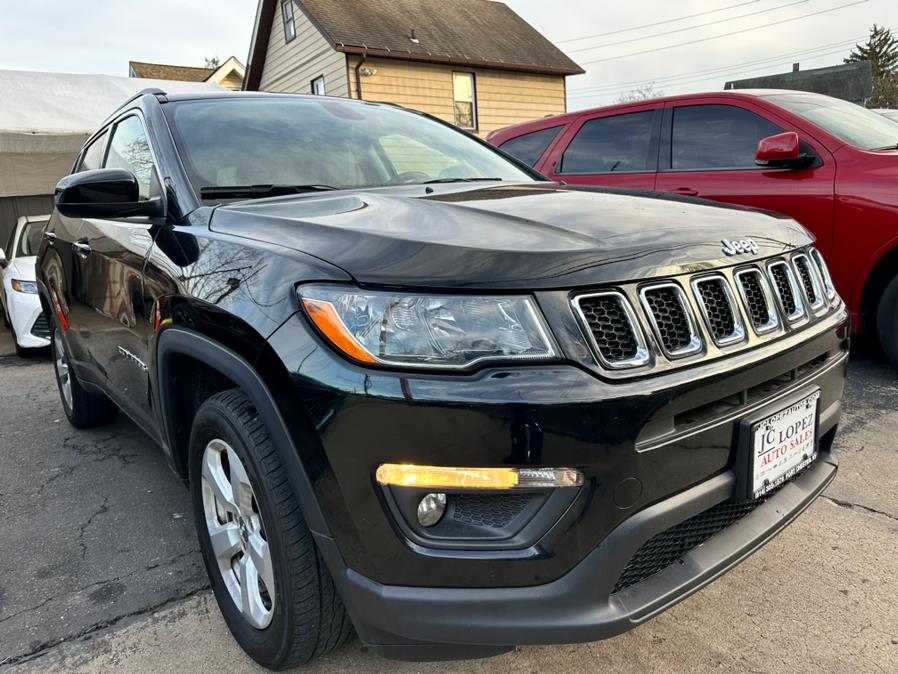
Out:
{"x": 50, "y": 237}
{"x": 81, "y": 247}
{"x": 686, "y": 191}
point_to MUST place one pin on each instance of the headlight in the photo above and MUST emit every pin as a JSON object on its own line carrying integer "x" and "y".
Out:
{"x": 440, "y": 331}
{"x": 29, "y": 287}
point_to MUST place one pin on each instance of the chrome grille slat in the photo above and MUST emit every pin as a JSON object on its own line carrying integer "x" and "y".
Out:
{"x": 757, "y": 300}
{"x": 823, "y": 270}
{"x": 719, "y": 309}
{"x": 669, "y": 313}
{"x": 809, "y": 281}
{"x": 787, "y": 291}
{"x": 616, "y": 334}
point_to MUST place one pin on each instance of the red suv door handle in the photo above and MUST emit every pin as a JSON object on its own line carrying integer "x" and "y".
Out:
{"x": 686, "y": 191}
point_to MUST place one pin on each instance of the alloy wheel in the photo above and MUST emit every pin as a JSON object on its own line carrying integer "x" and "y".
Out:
{"x": 63, "y": 374}
{"x": 237, "y": 533}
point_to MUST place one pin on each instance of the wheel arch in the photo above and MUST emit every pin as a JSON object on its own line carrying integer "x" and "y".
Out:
{"x": 874, "y": 282}
{"x": 175, "y": 344}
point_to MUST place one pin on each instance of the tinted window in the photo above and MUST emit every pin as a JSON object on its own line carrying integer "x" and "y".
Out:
{"x": 345, "y": 144}
{"x": 853, "y": 124}
{"x": 609, "y": 144}
{"x": 717, "y": 136}
{"x": 530, "y": 147}
{"x": 93, "y": 155}
{"x": 130, "y": 150}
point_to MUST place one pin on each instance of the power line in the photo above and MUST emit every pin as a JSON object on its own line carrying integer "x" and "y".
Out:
{"x": 692, "y": 81}
{"x": 717, "y": 37}
{"x": 686, "y": 28}
{"x": 721, "y": 69}
{"x": 657, "y": 23}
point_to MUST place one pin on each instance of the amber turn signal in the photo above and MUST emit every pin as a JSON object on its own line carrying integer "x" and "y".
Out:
{"x": 444, "y": 477}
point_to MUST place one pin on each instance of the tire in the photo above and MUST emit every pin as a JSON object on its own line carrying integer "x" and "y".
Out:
{"x": 82, "y": 409}
{"x": 887, "y": 321}
{"x": 303, "y": 618}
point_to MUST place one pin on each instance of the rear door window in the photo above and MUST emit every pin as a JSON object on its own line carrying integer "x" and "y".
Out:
{"x": 617, "y": 144}
{"x": 531, "y": 146}
{"x": 717, "y": 137}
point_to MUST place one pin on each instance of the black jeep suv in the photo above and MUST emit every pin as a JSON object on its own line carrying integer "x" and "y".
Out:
{"x": 417, "y": 390}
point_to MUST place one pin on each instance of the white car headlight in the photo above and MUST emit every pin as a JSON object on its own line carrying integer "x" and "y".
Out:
{"x": 28, "y": 287}
{"x": 418, "y": 330}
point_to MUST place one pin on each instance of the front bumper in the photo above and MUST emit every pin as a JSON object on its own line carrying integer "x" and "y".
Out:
{"x": 23, "y": 310}
{"x": 674, "y": 434}
{"x": 436, "y": 623}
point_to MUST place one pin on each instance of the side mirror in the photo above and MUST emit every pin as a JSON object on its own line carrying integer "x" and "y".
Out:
{"x": 782, "y": 151}
{"x": 103, "y": 193}
{"x": 4, "y": 263}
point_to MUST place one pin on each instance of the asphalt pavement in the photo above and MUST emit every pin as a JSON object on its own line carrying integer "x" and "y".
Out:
{"x": 100, "y": 570}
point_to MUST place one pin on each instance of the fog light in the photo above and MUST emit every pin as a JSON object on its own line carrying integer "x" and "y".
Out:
{"x": 444, "y": 477}
{"x": 431, "y": 509}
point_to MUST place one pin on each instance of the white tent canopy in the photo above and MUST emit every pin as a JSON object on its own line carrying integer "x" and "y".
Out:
{"x": 46, "y": 117}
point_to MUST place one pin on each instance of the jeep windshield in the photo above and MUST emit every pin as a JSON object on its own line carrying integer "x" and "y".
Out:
{"x": 250, "y": 147}
{"x": 851, "y": 123}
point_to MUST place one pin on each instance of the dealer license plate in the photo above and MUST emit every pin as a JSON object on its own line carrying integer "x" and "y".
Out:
{"x": 784, "y": 444}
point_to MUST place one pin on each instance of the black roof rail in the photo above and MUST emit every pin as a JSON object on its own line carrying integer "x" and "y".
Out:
{"x": 152, "y": 91}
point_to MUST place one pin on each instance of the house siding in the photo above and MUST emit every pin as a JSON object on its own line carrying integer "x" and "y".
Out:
{"x": 503, "y": 97}
{"x": 291, "y": 67}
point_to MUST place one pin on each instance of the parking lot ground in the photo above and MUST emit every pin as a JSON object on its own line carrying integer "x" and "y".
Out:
{"x": 100, "y": 571}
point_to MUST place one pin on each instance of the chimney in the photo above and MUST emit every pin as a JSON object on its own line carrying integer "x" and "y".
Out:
{"x": 795, "y": 67}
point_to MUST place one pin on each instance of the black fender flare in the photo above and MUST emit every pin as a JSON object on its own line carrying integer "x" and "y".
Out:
{"x": 178, "y": 341}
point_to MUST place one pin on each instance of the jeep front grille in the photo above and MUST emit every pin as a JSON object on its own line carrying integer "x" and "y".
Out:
{"x": 719, "y": 310}
{"x": 703, "y": 314}
{"x": 669, "y": 313}
{"x": 614, "y": 329}
{"x": 787, "y": 291}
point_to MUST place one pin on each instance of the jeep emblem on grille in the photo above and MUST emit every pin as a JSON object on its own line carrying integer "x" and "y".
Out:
{"x": 739, "y": 247}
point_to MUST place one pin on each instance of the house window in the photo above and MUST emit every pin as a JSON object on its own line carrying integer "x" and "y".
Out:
{"x": 465, "y": 97}
{"x": 318, "y": 86}
{"x": 289, "y": 26}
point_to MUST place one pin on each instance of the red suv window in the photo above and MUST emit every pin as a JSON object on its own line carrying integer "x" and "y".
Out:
{"x": 531, "y": 146}
{"x": 620, "y": 143}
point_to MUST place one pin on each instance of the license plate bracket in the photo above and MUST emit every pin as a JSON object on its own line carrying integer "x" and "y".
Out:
{"x": 777, "y": 442}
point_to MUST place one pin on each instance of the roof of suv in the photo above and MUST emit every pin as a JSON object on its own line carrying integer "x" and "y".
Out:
{"x": 567, "y": 117}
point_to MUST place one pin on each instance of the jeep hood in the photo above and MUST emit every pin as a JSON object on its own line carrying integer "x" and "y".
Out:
{"x": 508, "y": 236}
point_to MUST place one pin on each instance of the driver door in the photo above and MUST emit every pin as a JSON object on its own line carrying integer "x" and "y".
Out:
{"x": 708, "y": 151}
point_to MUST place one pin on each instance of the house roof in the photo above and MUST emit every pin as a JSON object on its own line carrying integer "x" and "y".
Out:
{"x": 162, "y": 71}
{"x": 466, "y": 32}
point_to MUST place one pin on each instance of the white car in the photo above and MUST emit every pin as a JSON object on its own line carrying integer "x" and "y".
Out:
{"x": 21, "y": 304}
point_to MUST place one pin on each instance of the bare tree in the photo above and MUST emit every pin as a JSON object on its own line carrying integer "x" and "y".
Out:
{"x": 640, "y": 93}
{"x": 212, "y": 62}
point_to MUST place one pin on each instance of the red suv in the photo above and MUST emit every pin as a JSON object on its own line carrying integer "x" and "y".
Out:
{"x": 830, "y": 164}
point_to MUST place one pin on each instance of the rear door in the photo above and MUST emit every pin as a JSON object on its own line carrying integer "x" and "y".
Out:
{"x": 618, "y": 149}
{"x": 64, "y": 270}
{"x": 708, "y": 150}
{"x": 113, "y": 253}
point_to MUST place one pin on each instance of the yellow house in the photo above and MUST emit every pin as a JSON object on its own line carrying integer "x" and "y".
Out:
{"x": 474, "y": 63}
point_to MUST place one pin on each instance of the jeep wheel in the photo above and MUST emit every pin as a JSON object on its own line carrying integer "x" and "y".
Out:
{"x": 269, "y": 581}
{"x": 82, "y": 409}
{"x": 887, "y": 321}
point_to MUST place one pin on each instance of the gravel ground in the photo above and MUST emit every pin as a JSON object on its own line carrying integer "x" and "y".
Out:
{"x": 100, "y": 571}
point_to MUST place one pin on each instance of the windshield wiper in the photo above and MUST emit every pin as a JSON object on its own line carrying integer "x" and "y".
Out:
{"x": 259, "y": 191}
{"x": 460, "y": 180}
{"x": 882, "y": 149}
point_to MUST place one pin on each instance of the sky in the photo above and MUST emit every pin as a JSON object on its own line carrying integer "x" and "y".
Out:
{"x": 688, "y": 45}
